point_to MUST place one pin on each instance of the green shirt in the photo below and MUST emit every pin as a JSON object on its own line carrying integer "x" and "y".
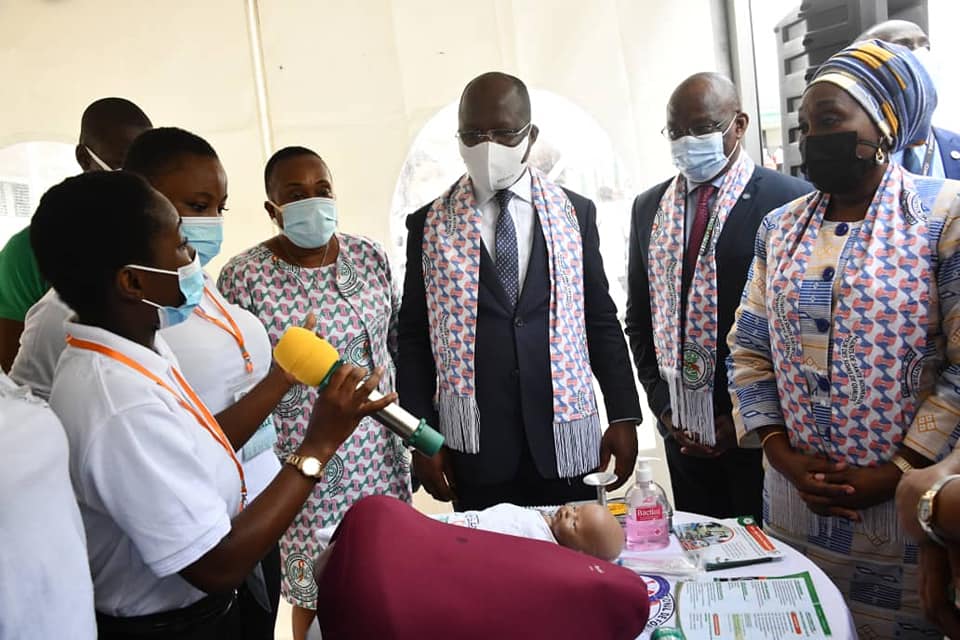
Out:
{"x": 21, "y": 284}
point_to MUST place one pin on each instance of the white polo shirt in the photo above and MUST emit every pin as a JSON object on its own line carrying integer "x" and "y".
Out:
{"x": 156, "y": 491}
{"x": 212, "y": 363}
{"x": 41, "y": 344}
{"x": 45, "y": 587}
{"x": 209, "y": 359}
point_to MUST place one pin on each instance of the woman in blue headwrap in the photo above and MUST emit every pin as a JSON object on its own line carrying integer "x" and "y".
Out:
{"x": 841, "y": 368}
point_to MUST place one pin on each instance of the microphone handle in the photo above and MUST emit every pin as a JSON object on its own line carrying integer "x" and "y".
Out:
{"x": 414, "y": 432}
{"x": 394, "y": 418}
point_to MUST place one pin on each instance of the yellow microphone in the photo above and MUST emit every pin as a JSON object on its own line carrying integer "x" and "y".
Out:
{"x": 312, "y": 360}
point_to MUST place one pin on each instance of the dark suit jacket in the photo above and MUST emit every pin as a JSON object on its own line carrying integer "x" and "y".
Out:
{"x": 765, "y": 191}
{"x": 512, "y": 357}
{"x": 949, "y": 144}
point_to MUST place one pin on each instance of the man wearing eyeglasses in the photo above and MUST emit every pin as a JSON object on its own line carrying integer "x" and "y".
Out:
{"x": 505, "y": 320}
{"x": 691, "y": 245}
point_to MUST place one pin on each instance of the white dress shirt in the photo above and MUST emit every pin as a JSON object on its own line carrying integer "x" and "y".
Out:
{"x": 209, "y": 357}
{"x": 522, "y": 213}
{"x": 156, "y": 490}
{"x": 46, "y": 589}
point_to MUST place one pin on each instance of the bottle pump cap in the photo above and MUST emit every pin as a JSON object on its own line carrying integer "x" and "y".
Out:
{"x": 644, "y": 470}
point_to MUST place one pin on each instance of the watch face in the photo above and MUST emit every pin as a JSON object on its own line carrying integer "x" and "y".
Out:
{"x": 311, "y": 467}
{"x": 924, "y": 508}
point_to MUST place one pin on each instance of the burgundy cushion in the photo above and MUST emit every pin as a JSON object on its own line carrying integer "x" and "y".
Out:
{"x": 395, "y": 573}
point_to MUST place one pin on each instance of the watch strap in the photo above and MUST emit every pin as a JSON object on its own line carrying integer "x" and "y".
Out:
{"x": 926, "y": 508}
{"x": 902, "y": 463}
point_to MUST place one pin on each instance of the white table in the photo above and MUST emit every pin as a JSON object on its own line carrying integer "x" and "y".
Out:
{"x": 661, "y": 589}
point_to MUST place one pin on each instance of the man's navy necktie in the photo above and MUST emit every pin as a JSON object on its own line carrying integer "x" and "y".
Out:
{"x": 506, "y": 241}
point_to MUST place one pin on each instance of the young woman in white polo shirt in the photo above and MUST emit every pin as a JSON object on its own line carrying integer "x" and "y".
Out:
{"x": 160, "y": 489}
{"x": 45, "y": 588}
{"x": 223, "y": 350}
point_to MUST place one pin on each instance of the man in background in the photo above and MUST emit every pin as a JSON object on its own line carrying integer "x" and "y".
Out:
{"x": 691, "y": 245}
{"x": 940, "y": 156}
{"x": 107, "y": 128}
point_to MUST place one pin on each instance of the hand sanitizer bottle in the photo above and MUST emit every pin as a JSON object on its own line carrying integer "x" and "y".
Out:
{"x": 648, "y": 512}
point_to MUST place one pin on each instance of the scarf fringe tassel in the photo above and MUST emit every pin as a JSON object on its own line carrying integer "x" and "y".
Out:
{"x": 577, "y": 445}
{"x": 459, "y": 421}
{"x": 692, "y": 410}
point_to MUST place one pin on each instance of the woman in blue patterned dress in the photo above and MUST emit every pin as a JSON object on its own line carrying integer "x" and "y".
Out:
{"x": 844, "y": 361}
{"x": 345, "y": 281}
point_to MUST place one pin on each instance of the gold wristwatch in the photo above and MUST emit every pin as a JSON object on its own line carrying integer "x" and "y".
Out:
{"x": 307, "y": 465}
{"x": 927, "y": 508}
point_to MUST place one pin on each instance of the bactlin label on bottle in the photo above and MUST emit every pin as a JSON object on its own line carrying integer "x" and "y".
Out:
{"x": 653, "y": 512}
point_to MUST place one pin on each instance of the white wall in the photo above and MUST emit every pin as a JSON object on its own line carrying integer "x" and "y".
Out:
{"x": 353, "y": 79}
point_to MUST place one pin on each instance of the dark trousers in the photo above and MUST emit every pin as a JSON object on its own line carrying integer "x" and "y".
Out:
{"x": 219, "y": 617}
{"x": 728, "y": 486}
{"x": 255, "y": 622}
{"x": 209, "y": 619}
{"x": 527, "y": 489}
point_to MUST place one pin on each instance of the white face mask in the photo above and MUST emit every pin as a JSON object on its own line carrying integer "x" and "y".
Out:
{"x": 103, "y": 165}
{"x": 495, "y": 166}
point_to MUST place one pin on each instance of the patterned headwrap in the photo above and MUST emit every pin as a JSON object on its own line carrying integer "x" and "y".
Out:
{"x": 890, "y": 84}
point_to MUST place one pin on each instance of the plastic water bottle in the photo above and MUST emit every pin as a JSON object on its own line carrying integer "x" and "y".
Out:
{"x": 648, "y": 512}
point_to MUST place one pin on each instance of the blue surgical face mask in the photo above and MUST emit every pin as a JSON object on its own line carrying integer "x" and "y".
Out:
{"x": 205, "y": 234}
{"x": 309, "y": 223}
{"x": 191, "y": 286}
{"x": 700, "y": 158}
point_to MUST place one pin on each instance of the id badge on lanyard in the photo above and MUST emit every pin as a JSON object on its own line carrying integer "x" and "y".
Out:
{"x": 928, "y": 156}
{"x": 264, "y": 438}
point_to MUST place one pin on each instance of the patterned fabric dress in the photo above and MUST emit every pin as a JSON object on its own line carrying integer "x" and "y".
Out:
{"x": 356, "y": 304}
{"x": 870, "y": 562}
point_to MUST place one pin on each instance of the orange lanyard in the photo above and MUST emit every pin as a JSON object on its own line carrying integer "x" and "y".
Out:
{"x": 233, "y": 329}
{"x": 195, "y": 406}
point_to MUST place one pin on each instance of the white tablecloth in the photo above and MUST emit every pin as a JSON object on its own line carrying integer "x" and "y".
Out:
{"x": 663, "y": 604}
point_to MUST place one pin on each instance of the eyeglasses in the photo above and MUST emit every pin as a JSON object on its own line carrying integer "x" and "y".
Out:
{"x": 699, "y": 130}
{"x": 509, "y": 137}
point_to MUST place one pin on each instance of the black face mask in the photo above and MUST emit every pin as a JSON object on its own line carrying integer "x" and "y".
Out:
{"x": 831, "y": 163}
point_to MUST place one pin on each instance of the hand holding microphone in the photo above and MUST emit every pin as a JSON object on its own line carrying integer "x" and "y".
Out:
{"x": 314, "y": 362}
{"x": 339, "y": 408}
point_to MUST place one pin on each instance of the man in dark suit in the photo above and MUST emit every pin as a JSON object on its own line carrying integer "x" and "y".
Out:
{"x": 940, "y": 157}
{"x": 703, "y": 223}
{"x": 505, "y": 319}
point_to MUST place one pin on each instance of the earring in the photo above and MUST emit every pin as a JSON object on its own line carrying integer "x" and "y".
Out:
{"x": 880, "y": 157}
